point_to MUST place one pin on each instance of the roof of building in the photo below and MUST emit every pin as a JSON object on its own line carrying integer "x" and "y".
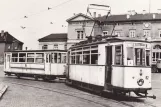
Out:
{"x": 8, "y": 38}
{"x": 79, "y": 14}
{"x": 56, "y": 37}
{"x": 136, "y": 17}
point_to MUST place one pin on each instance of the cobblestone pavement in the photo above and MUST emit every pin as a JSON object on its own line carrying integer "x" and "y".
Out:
{"x": 26, "y": 92}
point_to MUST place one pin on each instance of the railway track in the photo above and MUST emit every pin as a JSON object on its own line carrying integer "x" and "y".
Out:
{"x": 99, "y": 100}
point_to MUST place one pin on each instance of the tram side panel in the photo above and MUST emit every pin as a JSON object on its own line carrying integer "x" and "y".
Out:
{"x": 128, "y": 77}
{"x": 88, "y": 74}
{"x": 58, "y": 69}
{"x": 27, "y": 68}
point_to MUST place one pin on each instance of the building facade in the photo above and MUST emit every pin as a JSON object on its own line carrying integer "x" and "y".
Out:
{"x": 8, "y": 42}
{"x": 79, "y": 27}
{"x": 144, "y": 26}
{"x": 56, "y": 41}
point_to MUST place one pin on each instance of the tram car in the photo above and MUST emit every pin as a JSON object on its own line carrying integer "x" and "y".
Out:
{"x": 45, "y": 64}
{"x": 119, "y": 65}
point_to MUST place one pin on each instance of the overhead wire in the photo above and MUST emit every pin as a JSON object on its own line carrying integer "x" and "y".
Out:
{"x": 40, "y": 12}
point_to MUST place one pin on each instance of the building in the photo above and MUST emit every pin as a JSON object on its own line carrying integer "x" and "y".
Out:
{"x": 8, "y": 42}
{"x": 79, "y": 27}
{"x": 57, "y": 41}
{"x": 144, "y": 26}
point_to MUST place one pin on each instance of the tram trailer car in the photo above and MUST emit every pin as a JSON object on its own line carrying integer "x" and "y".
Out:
{"x": 117, "y": 65}
{"x": 45, "y": 64}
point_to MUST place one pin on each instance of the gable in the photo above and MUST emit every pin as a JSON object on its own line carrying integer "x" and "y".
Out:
{"x": 79, "y": 17}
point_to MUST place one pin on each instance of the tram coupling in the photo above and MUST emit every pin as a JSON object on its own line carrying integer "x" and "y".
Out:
{"x": 143, "y": 96}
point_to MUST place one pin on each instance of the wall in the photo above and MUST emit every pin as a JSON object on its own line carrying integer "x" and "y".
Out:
{"x": 2, "y": 48}
{"x": 61, "y": 45}
{"x": 73, "y": 27}
{"x": 124, "y": 27}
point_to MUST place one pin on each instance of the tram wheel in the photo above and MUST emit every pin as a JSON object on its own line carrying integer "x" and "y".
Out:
{"x": 45, "y": 79}
{"x": 18, "y": 76}
{"x": 36, "y": 78}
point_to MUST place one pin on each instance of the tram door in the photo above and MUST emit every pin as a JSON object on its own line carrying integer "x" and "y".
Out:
{"x": 7, "y": 61}
{"x": 47, "y": 63}
{"x": 108, "y": 64}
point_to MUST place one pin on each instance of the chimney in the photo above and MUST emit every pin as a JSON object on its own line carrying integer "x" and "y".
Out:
{"x": 99, "y": 15}
{"x": 144, "y": 11}
{"x": 94, "y": 14}
{"x": 26, "y": 48}
{"x": 154, "y": 16}
{"x": 128, "y": 14}
{"x": 133, "y": 12}
{"x": 2, "y": 33}
{"x": 159, "y": 11}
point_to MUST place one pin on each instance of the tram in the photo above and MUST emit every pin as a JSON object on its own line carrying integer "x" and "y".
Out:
{"x": 119, "y": 65}
{"x": 45, "y": 64}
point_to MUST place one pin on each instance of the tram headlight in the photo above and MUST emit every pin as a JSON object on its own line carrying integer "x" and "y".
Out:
{"x": 140, "y": 82}
{"x": 147, "y": 77}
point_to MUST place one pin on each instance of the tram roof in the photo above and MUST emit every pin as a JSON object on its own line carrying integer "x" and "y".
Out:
{"x": 109, "y": 40}
{"x": 37, "y": 51}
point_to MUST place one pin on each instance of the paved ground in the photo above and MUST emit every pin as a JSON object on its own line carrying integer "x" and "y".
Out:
{"x": 29, "y": 93}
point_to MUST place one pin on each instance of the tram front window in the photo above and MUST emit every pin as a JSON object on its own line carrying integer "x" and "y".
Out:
{"x": 139, "y": 56}
{"x": 130, "y": 55}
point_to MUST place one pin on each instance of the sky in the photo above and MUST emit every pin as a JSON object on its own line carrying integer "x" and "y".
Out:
{"x": 39, "y": 18}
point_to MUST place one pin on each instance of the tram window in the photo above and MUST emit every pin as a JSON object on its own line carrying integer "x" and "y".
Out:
{"x": 30, "y": 57}
{"x": 78, "y": 59}
{"x": 118, "y": 55}
{"x": 72, "y": 59}
{"x": 157, "y": 55}
{"x": 86, "y": 59}
{"x": 14, "y": 57}
{"x": 52, "y": 58}
{"x": 140, "y": 56}
{"x": 55, "y": 57}
{"x": 94, "y": 58}
{"x": 30, "y": 54}
{"x": 153, "y": 56}
{"x": 14, "y": 54}
{"x": 59, "y": 58}
{"x": 63, "y": 58}
{"x": 39, "y": 58}
{"x": 22, "y": 57}
{"x": 39, "y": 55}
{"x": 148, "y": 57}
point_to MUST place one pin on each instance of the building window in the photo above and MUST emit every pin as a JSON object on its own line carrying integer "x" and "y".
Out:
{"x": 55, "y": 46}
{"x": 132, "y": 33}
{"x": 118, "y": 33}
{"x": 80, "y": 34}
{"x": 44, "y": 47}
{"x": 105, "y": 33}
{"x": 146, "y": 33}
{"x": 159, "y": 33}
